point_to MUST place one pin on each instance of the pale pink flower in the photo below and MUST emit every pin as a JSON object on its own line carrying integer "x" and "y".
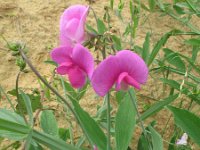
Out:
{"x": 124, "y": 69}
{"x": 183, "y": 140}
{"x": 72, "y": 24}
{"x": 95, "y": 147}
{"x": 75, "y": 62}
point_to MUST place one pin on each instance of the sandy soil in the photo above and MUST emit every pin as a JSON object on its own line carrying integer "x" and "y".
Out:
{"x": 36, "y": 23}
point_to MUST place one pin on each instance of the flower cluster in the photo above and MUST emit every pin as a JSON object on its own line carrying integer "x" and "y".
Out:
{"x": 73, "y": 59}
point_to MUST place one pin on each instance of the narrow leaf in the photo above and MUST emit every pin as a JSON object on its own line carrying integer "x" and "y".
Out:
{"x": 101, "y": 26}
{"x": 188, "y": 121}
{"x": 152, "y": 4}
{"x": 90, "y": 127}
{"x": 124, "y": 124}
{"x": 48, "y": 122}
{"x": 51, "y": 141}
{"x": 156, "y": 139}
{"x": 117, "y": 42}
{"x": 158, "y": 106}
{"x": 157, "y": 47}
{"x": 174, "y": 59}
{"x": 28, "y": 106}
{"x": 146, "y": 48}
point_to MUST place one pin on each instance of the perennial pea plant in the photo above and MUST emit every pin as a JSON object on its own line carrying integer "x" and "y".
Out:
{"x": 114, "y": 77}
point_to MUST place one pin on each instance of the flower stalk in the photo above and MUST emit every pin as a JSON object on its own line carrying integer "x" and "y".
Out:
{"x": 107, "y": 98}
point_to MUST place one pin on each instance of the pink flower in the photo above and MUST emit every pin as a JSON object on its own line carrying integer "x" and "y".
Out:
{"x": 95, "y": 147}
{"x": 72, "y": 24}
{"x": 76, "y": 62}
{"x": 183, "y": 140}
{"x": 124, "y": 69}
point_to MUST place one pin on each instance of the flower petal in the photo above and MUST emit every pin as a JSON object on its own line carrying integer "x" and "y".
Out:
{"x": 130, "y": 81}
{"x": 64, "y": 68}
{"x": 69, "y": 33}
{"x": 77, "y": 77}
{"x": 61, "y": 54}
{"x": 124, "y": 80}
{"x": 133, "y": 64}
{"x": 75, "y": 11}
{"x": 80, "y": 33}
{"x": 82, "y": 57}
{"x": 105, "y": 75}
{"x": 72, "y": 24}
{"x": 120, "y": 80}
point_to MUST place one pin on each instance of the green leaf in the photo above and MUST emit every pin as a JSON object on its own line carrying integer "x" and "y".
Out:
{"x": 28, "y": 106}
{"x": 188, "y": 121}
{"x": 178, "y": 9}
{"x": 152, "y": 4}
{"x": 142, "y": 143}
{"x": 158, "y": 106}
{"x": 51, "y": 141}
{"x": 34, "y": 98}
{"x": 161, "y": 5}
{"x": 120, "y": 95}
{"x": 91, "y": 29}
{"x": 193, "y": 42}
{"x": 28, "y": 140}
{"x": 16, "y": 131}
{"x": 68, "y": 88}
{"x": 90, "y": 127}
{"x": 146, "y": 48}
{"x": 64, "y": 134}
{"x": 172, "y": 83}
{"x": 157, "y": 47}
{"x": 170, "y": 69}
{"x": 117, "y": 42}
{"x": 101, "y": 26}
{"x": 12, "y": 135}
{"x": 45, "y": 88}
{"x": 124, "y": 124}
{"x": 156, "y": 139}
{"x": 172, "y": 145}
{"x": 51, "y": 62}
{"x": 48, "y": 122}
{"x": 6, "y": 124}
{"x": 111, "y": 3}
{"x": 35, "y": 146}
{"x": 174, "y": 59}
{"x": 81, "y": 92}
{"x": 192, "y": 6}
{"x": 10, "y": 121}
{"x": 11, "y": 116}
{"x": 131, "y": 6}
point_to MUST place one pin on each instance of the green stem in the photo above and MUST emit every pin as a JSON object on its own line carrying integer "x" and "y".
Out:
{"x": 108, "y": 120}
{"x": 163, "y": 131}
{"x": 18, "y": 98}
{"x": 133, "y": 100}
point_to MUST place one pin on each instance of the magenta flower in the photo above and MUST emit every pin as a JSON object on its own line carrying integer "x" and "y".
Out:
{"x": 124, "y": 69}
{"x": 72, "y": 24}
{"x": 75, "y": 62}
